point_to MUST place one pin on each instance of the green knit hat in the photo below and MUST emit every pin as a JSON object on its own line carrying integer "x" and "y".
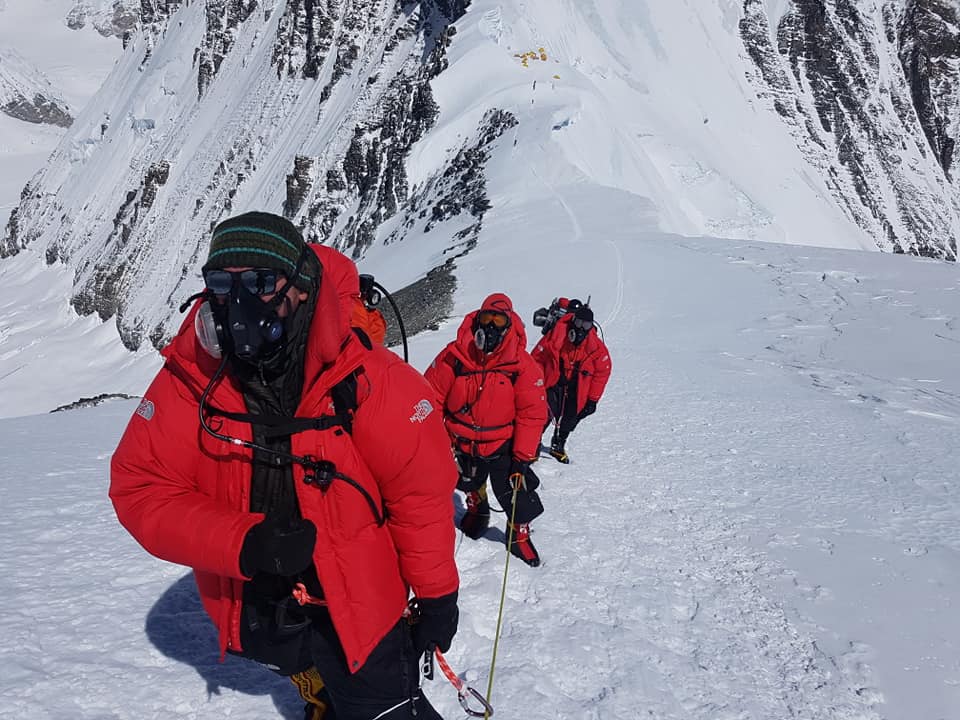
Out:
{"x": 259, "y": 239}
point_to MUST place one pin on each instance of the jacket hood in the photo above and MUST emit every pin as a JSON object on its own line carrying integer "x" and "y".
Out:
{"x": 508, "y": 351}
{"x": 498, "y": 302}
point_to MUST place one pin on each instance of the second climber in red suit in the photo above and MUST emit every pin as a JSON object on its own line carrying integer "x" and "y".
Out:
{"x": 494, "y": 408}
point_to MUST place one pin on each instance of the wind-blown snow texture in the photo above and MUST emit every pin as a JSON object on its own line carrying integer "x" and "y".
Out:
{"x": 761, "y": 520}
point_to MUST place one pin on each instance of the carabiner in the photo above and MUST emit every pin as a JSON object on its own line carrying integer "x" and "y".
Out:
{"x": 463, "y": 694}
{"x": 426, "y": 665}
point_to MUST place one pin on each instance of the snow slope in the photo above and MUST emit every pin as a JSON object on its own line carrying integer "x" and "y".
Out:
{"x": 760, "y": 522}
{"x": 603, "y": 111}
{"x": 652, "y": 98}
{"x": 74, "y": 62}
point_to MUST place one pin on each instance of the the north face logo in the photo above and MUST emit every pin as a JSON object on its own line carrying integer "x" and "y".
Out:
{"x": 145, "y": 409}
{"x": 421, "y": 410}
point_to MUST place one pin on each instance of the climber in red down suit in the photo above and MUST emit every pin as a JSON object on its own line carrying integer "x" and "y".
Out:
{"x": 494, "y": 408}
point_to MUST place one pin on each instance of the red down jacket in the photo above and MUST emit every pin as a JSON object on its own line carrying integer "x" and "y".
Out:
{"x": 489, "y": 399}
{"x": 184, "y": 495}
{"x": 590, "y": 360}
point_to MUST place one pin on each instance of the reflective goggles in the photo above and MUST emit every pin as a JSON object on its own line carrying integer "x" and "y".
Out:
{"x": 488, "y": 317}
{"x": 258, "y": 281}
{"x": 585, "y": 325}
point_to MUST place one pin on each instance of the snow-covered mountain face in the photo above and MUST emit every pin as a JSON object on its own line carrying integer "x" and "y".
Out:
{"x": 379, "y": 124}
{"x": 48, "y": 73}
{"x": 117, "y": 18}
{"x": 27, "y": 95}
{"x": 871, "y": 91}
{"x": 308, "y": 107}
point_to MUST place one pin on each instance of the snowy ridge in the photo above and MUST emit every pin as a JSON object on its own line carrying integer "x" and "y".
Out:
{"x": 347, "y": 116}
{"x": 759, "y": 522}
{"x": 26, "y": 95}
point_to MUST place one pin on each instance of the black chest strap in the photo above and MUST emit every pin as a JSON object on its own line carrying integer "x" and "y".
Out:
{"x": 343, "y": 394}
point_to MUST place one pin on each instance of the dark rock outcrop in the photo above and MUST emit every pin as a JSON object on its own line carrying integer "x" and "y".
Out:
{"x": 104, "y": 290}
{"x": 38, "y": 109}
{"x": 929, "y": 50}
{"x": 223, "y": 17}
{"x": 372, "y": 170}
{"x": 460, "y": 188}
{"x": 423, "y": 304}
{"x": 86, "y": 402}
{"x": 119, "y": 19}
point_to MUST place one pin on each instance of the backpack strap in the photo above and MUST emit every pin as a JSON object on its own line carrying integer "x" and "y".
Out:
{"x": 345, "y": 403}
{"x": 458, "y": 371}
{"x": 363, "y": 337}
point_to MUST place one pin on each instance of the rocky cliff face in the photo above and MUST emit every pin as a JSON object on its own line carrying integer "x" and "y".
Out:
{"x": 311, "y": 107}
{"x": 308, "y": 105}
{"x": 117, "y": 18}
{"x": 929, "y": 51}
{"x": 869, "y": 88}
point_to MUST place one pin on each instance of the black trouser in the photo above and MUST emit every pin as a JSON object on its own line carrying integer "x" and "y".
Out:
{"x": 562, "y": 400}
{"x": 290, "y": 639}
{"x": 385, "y": 687}
{"x": 474, "y": 473}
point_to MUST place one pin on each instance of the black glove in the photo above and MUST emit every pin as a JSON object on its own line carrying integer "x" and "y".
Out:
{"x": 437, "y": 623}
{"x": 589, "y": 408}
{"x": 285, "y": 550}
{"x": 519, "y": 467}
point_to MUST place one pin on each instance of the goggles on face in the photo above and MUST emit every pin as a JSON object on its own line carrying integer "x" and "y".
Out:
{"x": 258, "y": 281}
{"x": 585, "y": 325}
{"x": 488, "y": 317}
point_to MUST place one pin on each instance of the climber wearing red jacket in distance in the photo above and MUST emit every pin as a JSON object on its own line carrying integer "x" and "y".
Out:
{"x": 494, "y": 408}
{"x": 576, "y": 367}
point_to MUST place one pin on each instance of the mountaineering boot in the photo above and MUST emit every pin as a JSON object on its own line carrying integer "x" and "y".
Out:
{"x": 312, "y": 689}
{"x": 557, "y": 448}
{"x": 474, "y": 522}
{"x": 522, "y": 546}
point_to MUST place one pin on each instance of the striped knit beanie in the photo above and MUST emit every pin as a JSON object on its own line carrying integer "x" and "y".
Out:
{"x": 259, "y": 239}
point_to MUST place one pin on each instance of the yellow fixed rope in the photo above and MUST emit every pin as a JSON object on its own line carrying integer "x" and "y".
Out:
{"x": 503, "y": 589}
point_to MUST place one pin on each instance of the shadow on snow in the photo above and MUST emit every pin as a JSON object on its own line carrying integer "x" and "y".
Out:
{"x": 179, "y": 628}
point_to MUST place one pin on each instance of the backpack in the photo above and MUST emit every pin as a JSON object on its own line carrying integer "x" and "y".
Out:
{"x": 546, "y": 318}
